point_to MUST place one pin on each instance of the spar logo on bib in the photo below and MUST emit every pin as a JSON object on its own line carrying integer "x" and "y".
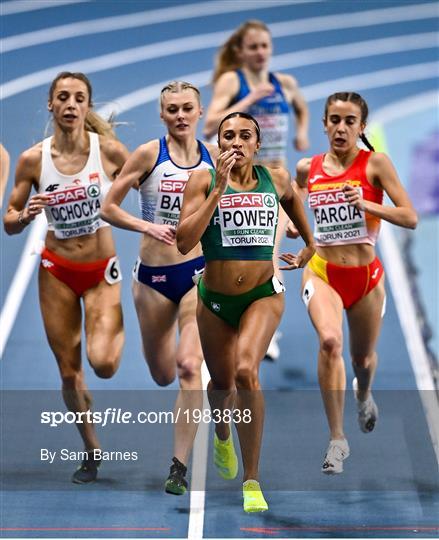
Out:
{"x": 170, "y": 200}
{"x": 247, "y": 219}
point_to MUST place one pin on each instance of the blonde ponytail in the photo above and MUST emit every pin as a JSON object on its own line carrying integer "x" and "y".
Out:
{"x": 95, "y": 123}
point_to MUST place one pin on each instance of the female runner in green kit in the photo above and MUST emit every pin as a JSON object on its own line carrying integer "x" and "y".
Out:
{"x": 233, "y": 210}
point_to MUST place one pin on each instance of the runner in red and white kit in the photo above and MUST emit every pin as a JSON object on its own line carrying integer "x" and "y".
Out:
{"x": 72, "y": 172}
{"x": 345, "y": 188}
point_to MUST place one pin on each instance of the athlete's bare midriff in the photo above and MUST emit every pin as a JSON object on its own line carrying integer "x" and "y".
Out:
{"x": 349, "y": 255}
{"x": 236, "y": 277}
{"x": 86, "y": 248}
{"x": 156, "y": 253}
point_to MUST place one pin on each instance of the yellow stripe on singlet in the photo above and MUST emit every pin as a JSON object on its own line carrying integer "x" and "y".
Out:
{"x": 318, "y": 265}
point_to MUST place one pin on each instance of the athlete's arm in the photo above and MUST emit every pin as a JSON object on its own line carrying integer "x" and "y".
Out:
{"x": 300, "y": 187}
{"x": 140, "y": 161}
{"x": 4, "y": 171}
{"x": 213, "y": 151}
{"x": 27, "y": 174}
{"x": 381, "y": 172}
{"x": 293, "y": 207}
{"x": 226, "y": 88}
{"x": 294, "y": 96}
{"x": 114, "y": 154}
{"x": 198, "y": 207}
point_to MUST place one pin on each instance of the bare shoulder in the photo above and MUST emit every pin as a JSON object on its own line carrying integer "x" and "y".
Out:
{"x": 303, "y": 167}
{"x": 228, "y": 77}
{"x": 287, "y": 81}
{"x": 281, "y": 178}
{"x": 379, "y": 159}
{"x": 149, "y": 150}
{"x": 228, "y": 82}
{"x": 379, "y": 163}
{"x": 279, "y": 174}
{"x": 212, "y": 149}
{"x": 113, "y": 149}
{"x": 32, "y": 156}
{"x": 29, "y": 161}
{"x": 200, "y": 176}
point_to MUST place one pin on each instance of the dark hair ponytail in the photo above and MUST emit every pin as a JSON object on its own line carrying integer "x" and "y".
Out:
{"x": 365, "y": 141}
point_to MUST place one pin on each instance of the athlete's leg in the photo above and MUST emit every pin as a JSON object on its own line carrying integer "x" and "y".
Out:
{"x": 157, "y": 317}
{"x": 189, "y": 360}
{"x": 257, "y": 325}
{"x": 364, "y": 320}
{"x": 218, "y": 341}
{"x": 325, "y": 309}
{"x": 61, "y": 311}
{"x": 104, "y": 328}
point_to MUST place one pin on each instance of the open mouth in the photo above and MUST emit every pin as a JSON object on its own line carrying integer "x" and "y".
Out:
{"x": 69, "y": 117}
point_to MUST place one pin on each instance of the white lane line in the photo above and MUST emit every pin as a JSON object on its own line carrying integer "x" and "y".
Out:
{"x": 136, "y": 20}
{"x": 376, "y": 79}
{"x": 405, "y": 107}
{"x": 199, "y": 469}
{"x": 399, "y": 280}
{"x": 21, "y": 280}
{"x": 324, "y": 23}
{"x": 372, "y": 47}
{"x": 21, "y": 6}
{"x": 357, "y": 49}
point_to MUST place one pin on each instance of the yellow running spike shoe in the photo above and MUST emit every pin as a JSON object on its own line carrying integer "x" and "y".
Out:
{"x": 224, "y": 457}
{"x": 253, "y": 497}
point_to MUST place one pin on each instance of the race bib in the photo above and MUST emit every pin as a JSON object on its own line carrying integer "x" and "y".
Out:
{"x": 274, "y": 129}
{"x": 334, "y": 218}
{"x": 169, "y": 201}
{"x": 113, "y": 273}
{"x": 248, "y": 219}
{"x": 74, "y": 211}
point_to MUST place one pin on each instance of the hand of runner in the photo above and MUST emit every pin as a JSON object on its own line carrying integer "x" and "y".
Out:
{"x": 261, "y": 91}
{"x": 353, "y": 196}
{"x": 163, "y": 233}
{"x": 299, "y": 260}
{"x": 35, "y": 207}
{"x": 224, "y": 165}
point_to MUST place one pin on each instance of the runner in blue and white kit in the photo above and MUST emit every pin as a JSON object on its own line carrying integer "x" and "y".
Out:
{"x": 163, "y": 289}
{"x": 243, "y": 82}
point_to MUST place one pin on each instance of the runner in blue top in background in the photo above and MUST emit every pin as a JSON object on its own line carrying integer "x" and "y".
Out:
{"x": 243, "y": 82}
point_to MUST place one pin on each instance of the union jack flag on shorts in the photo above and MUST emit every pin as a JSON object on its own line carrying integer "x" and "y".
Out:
{"x": 158, "y": 279}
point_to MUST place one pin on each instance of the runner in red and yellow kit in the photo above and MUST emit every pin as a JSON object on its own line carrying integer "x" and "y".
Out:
{"x": 345, "y": 188}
